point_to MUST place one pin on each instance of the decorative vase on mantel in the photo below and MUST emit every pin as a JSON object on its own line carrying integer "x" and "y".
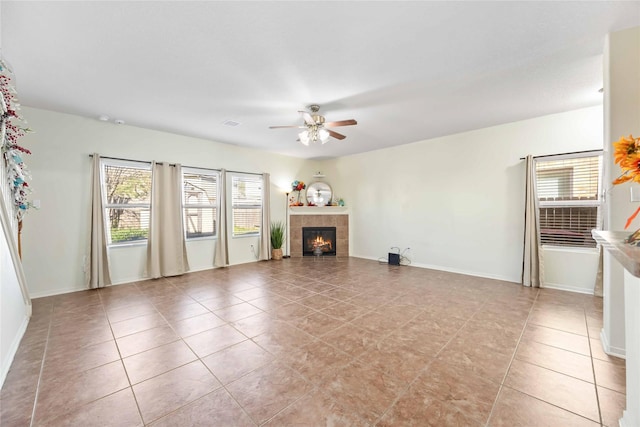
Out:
{"x": 298, "y": 186}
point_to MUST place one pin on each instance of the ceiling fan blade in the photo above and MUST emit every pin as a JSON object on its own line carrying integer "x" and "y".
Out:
{"x": 280, "y": 127}
{"x": 307, "y": 118}
{"x": 336, "y": 135}
{"x": 349, "y": 122}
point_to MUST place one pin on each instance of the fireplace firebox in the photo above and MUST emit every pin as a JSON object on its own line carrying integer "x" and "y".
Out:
{"x": 320, "y": 241}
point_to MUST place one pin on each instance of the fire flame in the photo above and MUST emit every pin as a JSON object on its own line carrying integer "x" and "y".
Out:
{"x": 319, "y": 242}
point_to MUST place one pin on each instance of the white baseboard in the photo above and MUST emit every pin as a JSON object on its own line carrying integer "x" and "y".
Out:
{"x": 124, "y": 281}
{"x": 609, "y": 349}
{"x": 454, "y": 270}
{"x": 624, "y": 421}
{"x": 43, "y": 294}
{"x": 6, "y": 364}
{"x": 563, "y": 287}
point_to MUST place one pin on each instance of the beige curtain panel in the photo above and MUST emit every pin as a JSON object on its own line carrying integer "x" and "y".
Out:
{"x": 97, "y": 275}
{"x": 221, "y": 256}
{"x": 532, "y": 265}
{"x": 166, "y": 246}
{"x": 265, "y": 228}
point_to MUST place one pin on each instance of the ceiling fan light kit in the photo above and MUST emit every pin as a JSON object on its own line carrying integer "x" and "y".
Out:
{"x": 315, "y": 127}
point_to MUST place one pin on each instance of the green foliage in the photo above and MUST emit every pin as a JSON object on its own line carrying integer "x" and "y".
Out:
{"x": 277, "y": 234}
{"x": 119, "y": 235}
{"x": 242, "y": 231}
{"x": 126, "y": 185}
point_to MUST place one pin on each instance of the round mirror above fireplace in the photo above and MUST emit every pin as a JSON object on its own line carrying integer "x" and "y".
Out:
{"x": 319, "y": 194}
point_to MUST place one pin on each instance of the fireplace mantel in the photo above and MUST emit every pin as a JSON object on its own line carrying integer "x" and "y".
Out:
{"x": 318, "y": 210}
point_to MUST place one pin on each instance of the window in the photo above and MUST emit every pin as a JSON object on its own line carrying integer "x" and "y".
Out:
{"x": 127, "y": 195}
{"x": 246, "y": 201}
{"x": 568, "y": 189}
{"x": 200, "y": 202}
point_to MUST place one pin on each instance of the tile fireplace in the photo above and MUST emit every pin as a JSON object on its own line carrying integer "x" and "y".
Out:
{"x": 319, "y": 218}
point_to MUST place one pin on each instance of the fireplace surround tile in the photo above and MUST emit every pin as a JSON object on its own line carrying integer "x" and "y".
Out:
{"x": 298, "y": 221}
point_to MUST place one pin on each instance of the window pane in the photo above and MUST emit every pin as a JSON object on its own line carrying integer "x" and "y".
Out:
{"x": 246, "y": 199}
{"x": 200, "y": 201}
{"x": 127, "y": 195}
{"x": 125, "y": 185}
{"x": 128, "y": 225}
{"x": 200, "y": 222}
{"x": 568, "y": 179}
{"x": 246, "y": 221}
{"x": 200, "y": 189}
{"x": 568, "y": 226}
{"x": 568, "y": 192}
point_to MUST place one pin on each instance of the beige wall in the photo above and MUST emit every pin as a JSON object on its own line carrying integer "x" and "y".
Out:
{"x": 458, "y": 201}
{"x": 55, "y": 236}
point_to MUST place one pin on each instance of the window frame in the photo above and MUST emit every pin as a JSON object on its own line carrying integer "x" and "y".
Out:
{"x": 234, "y": 177}
{"x": 104, "y": 163}
{"x": 584, "y": 203}
{"x": 215, "y": 207}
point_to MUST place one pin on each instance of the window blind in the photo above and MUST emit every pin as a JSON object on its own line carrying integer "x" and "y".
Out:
{"x": 568, "y": 190}
{"x": 200, "y": 203}
{"x": 127, "y": 198}
{"x": 246, "y": 200}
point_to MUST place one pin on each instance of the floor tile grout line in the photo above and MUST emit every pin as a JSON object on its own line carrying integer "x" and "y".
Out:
{"x": 593, "y": 369}
{"x": 180, "y": 338}
{"x": 42, "y": 362}
{"x": 548, "y": 403}
{"x": 421, "y": 371}
{"x": 314, "y": 386}
{"x": 513, "y": 356}
{"x": 274, "y": 360}
{"x": 534, "y": 397}
{"x": 390, "y": 332}
{"x": 124, "y": 368}
{"x": 198, "y": 358}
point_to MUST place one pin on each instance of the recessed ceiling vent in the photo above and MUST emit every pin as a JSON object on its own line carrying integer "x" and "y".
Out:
{"x": 231, "y": 123}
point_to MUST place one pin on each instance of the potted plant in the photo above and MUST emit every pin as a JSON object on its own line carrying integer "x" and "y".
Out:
{"x": 277, "y": 239}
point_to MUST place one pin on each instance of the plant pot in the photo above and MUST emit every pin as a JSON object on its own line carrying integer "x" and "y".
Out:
{"x": 276, "y": 254}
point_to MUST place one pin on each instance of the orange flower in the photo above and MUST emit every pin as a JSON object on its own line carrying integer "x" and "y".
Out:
{"x": 625, "y": 148}
{"x": 626, "y": 153}
{"x": 622, "y": 178}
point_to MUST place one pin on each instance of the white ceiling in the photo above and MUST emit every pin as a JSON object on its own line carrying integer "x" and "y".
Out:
{"x": 406, "y": 71}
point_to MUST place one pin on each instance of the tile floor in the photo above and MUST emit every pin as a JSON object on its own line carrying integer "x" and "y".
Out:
{"x": 315, "y": 342}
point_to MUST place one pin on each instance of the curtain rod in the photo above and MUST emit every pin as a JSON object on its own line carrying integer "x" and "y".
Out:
{"x": 565, "y": 154}
{"x": 173, "y": 164}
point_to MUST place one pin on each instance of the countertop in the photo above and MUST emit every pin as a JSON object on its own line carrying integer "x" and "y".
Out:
{"x": 627, "y": 255}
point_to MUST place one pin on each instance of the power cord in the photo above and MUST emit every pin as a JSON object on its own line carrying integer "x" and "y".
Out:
{"x": 253, "y": 251}
{"x": 404, "y": 260}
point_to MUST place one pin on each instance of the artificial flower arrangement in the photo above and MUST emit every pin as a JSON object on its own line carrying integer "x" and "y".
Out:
{"x": 626, "y": 154}
{"x": 17, "y": 172}
{"x": 297, "y": 186}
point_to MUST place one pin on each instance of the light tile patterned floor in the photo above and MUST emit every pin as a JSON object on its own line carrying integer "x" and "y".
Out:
{"x": 315, "y": 342}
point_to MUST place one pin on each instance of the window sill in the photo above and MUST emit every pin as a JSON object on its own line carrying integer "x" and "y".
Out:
{"x": 199, "y": 239}
{"x": 570, "y": 249}
{"x": 127, "y": 245}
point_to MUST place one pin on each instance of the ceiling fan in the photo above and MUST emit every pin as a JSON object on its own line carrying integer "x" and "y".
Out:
{"x": 315, "y": 127}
